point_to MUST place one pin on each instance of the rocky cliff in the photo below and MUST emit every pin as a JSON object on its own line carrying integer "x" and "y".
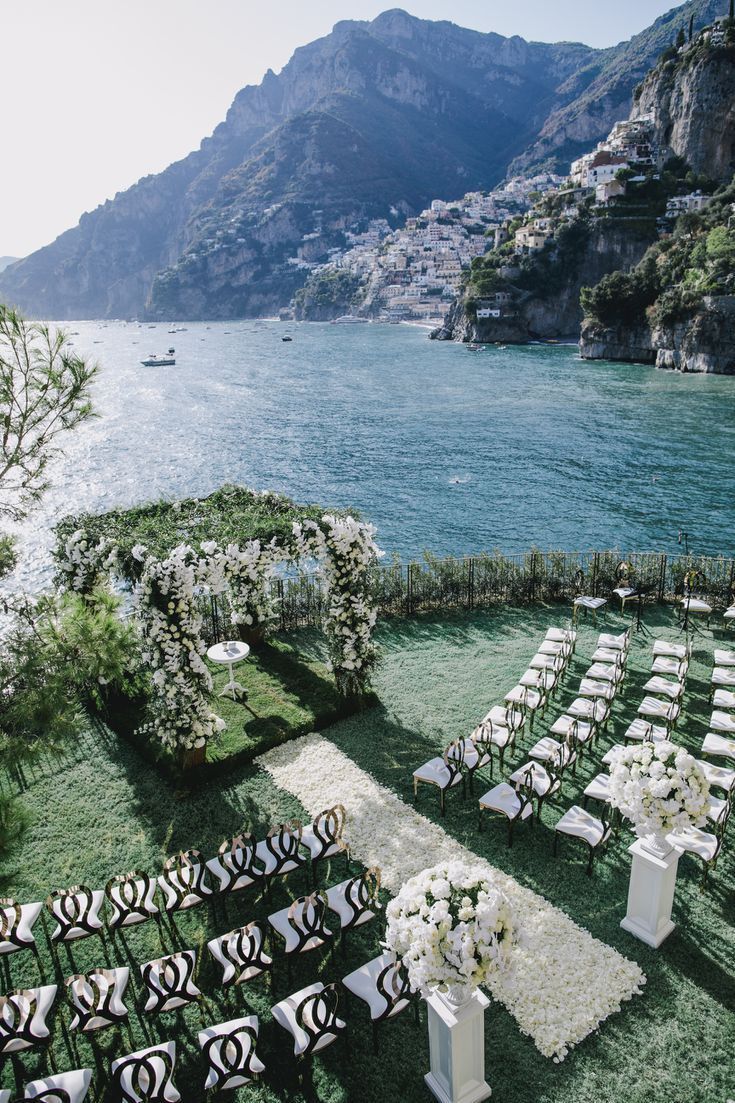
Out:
{"x": 691, "y": 99}
{"x": 375, "y": 119}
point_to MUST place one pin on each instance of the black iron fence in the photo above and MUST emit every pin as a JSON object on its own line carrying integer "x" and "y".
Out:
{"x": 476, "y": 582}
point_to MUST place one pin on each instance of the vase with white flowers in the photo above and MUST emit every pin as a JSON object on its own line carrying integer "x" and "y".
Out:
{"x": 453, "y": 929}
{"x": 661, "y": 789}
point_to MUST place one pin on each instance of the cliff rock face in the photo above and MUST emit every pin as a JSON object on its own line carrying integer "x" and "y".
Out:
{"x": 373, "y": 120}
{"x": 693, "y": 107}
{"x": 557, "y": 315}
{"x": 704, "y": 343}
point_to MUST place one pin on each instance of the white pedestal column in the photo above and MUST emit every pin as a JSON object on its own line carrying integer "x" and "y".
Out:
{"x": 457, "y": 1050}
{"x": 651, "y": 894}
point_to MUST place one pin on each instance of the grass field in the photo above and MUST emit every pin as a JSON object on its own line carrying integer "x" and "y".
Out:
{"x": 104, "y": 810}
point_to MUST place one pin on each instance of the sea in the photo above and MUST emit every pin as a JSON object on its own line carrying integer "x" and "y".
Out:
{"x": 441, "y": 447}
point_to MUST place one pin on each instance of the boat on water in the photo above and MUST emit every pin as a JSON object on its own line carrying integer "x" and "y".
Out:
{"x": 287, "y": 338}
{"x": 167, "y": 360}
{"x": 177, "y": 329}
{"x": 349, "y": 320}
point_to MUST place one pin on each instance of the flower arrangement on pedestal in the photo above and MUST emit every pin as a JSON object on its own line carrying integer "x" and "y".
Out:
{"x": 660, "y": 788}
{"x": 452, "y": 929}
{"x": 165, "y": 599}
{"x": 345, "y": 549}
{"x": 83, "y": 564}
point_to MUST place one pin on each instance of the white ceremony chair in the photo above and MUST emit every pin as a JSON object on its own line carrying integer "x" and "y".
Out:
{"x": 169, "y": 982}
{"x": 355, "y": 901}
{"x": 77, "y": 913}
{"x": 241, "y": 954}
{"x": 577, "y": 823}
{"x": 383, "y": 985}
{"x": 721, "y": 721}
{"x": 560, "y": 753}
{"x": 229, "y": 1050}
{"x": 515, "y": 802}
{"x": 705, "y": 845}
{"x": 723, "y": 699}
{"x": 97, "y": 999}
{"x": 643, "y": 731}
{"x": 662, "y": 687}
{"x": 612, "y": 642}
{"x": 544, "y": 781}
{"x": 672, "y": 650}
{"x": 445, "y": 773}
{"x": 310, "y": 1017}
{"x": 235, "y": 868}
{"x": 556, "y": 649}
{"x": 719, "y": 777}
{"x": 279, "y": 852}
{"x": 131, "y": 899}
{"x": 724, "y": 658}
{"x": 591, "y": 687}
{"x": 584, "y": 731}
{"x": 718, "y": 746}
{"x": 594, "y": 710}
{"x": 183, "y": 882}
{"x": 23, "y": 1015}
{"x": 598, "y": 790}
{"x": 324, "y": 837}
{"x": 562, "y": 635}
{"x": 613, "y": 672}
{"x": 147, "y": 1075}
{"x": 722, "y": 677}
{"x": 303, "y": 925}
{"x": 478, "y": 749}
{"x": 653, "y": 708}
{"x": 529, "y": 701}
{"x": 16, "y": 926}
{"x": 668, "y": 664}
{"x": 64, "y": 1087}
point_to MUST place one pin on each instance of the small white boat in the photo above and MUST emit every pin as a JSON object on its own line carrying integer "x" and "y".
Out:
{"x": 349, "y": 320}
{"x": 155, "y": 361}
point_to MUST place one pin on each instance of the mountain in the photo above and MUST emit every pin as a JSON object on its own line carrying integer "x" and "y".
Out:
{"x": 5, "y": 261}
{"x": 373, "y": 120}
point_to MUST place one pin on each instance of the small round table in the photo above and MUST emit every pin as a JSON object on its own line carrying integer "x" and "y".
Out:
{"x": 229, "y": 652}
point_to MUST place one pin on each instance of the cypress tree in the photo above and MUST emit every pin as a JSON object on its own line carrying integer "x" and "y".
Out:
{"x": 691, "y": 28}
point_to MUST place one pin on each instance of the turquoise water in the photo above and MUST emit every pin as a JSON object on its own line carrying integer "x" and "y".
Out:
{"x": 443, "y": 448}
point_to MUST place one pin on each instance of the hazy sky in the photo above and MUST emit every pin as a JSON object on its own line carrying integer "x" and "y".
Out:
{"x": 96, "y": 93}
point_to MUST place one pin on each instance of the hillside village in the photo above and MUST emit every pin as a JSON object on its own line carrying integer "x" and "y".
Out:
{"x": 484, "y": 244}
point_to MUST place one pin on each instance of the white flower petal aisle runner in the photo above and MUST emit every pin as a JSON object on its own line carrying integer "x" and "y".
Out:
{"x": 565, "y": 982}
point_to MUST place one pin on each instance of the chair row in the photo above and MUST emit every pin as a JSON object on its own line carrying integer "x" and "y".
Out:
{"x": 186, "y": 881}
{"x": 310, "y": 1016}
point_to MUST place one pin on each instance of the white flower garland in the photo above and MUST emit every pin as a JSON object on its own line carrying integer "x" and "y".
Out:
{"x": 245, "y": 573}
{"x": 166, "y": 603}
{"x": 564, "y": 982}
{"x": 452, "y": 928}
{"x": 659, "y": 787}
{"x": 345, "y": 549}
{"x": 83, "y": 564}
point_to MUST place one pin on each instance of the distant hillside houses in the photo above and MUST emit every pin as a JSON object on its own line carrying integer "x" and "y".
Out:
{"x": 415, "y": 271}
{"x": 629, "y": 145}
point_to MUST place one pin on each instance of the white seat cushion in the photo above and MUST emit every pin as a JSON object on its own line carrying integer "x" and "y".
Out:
{"x": 82, "y": 994}
{"x": 668, "y": 664}
{"x": 599, "y": 788}
{"x": 722, "y": 721}
{"x": 285, "y": 1015}
{"x": 265, "y": 858}
{"x": 522, "y": 695}
{"x": 593, "y": 603}
{"x": 436, "y": 772}
{"x": 363, "y": 984}
{"x": 672, "y": 690}
{"x": 180, "y": 880}
{"x": 724, "y": 658}
{"x": 279, "y": 922}
{"x": 29, "y": 913}
{"x": 562, "y": 724}
{"x": 92, "y": 918}
{"x": 235, "y": 1079}
{"x": 718, "y": 746}
{"x": 606, "y": 654}
{"x": 723, "y": 676}
{"x": 561, "y": 635}
{"x": 660, "y": 710}
{"x": 499, "y": 715}
{"x": 74, "y": 1084}
{"x": 612, "y": 642}
{"x": 701, "y": 843}
{"x": 579, "y": 823}
{"x": 551, "y": 750}
{"x": 316, "y": 847}
{"x": 603, "y": 672}
{"x": 696, "y": 605}
{"x": 170, "y": 974}
{"x": 503, "y": 798}
{"x": 724, "y": 699}
{"x": 611, "y": 755}
{"x": 540, "y": 779}
{"x": 340, "y": 905}
{"x": 722, "y": 777}
{"x": 38, "y": 1027}
{"x": 666, "y": 647}
{"x": 644, "y": 731}
{"x": 589, "y": 687}
{"x": 588, "y": 708}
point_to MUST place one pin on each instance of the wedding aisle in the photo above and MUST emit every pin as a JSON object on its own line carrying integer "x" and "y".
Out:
{"x": 565, "y": 982}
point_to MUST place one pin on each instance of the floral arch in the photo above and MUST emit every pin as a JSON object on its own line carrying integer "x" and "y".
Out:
{"x": 233, "y": 542}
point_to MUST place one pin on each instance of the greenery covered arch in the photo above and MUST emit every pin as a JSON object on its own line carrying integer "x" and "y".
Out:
{"x": 232, "y": 542}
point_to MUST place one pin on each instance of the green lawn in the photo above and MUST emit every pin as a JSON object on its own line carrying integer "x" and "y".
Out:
{"x": 104, "y": 810}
